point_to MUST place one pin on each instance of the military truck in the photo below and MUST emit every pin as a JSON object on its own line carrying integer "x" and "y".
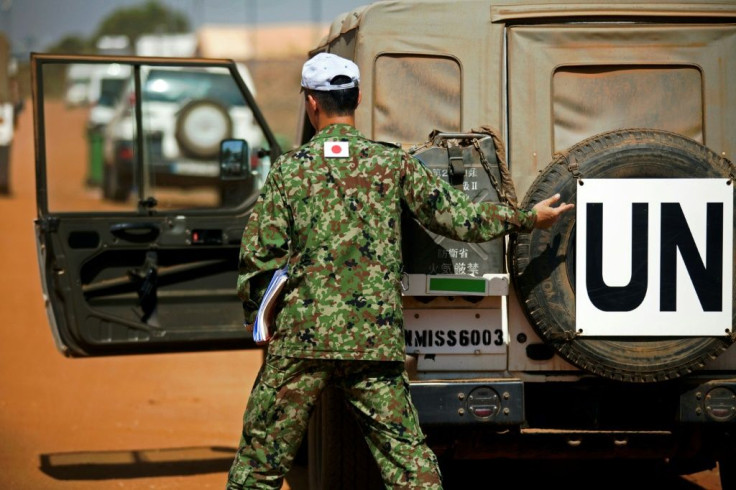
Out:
{"x": 597, "y": 338}
{"x": 609, "y": 335}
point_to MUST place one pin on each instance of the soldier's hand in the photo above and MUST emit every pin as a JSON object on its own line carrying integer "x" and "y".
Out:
{"x": 546, "y": 214}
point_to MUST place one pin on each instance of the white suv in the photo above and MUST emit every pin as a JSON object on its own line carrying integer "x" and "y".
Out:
{"x": 184, "y": 113}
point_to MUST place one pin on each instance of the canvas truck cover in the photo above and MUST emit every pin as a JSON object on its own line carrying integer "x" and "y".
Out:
{"x": 449, "y": 73}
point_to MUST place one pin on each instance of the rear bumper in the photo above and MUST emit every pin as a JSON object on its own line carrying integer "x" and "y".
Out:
{"x": 509, "y": 418}
{"x": 489, "y": 401}
{"x": 501, "y": 402}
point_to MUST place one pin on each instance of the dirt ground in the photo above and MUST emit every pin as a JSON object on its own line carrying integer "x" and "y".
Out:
{"x": 141, "y": 422}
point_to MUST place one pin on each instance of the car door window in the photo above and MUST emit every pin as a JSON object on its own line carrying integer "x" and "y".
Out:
{"x": 148, "y": 137}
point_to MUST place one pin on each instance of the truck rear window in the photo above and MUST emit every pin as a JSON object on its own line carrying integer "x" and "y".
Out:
{"x": 593, "y": 99}
{"x": 403, "y": 86}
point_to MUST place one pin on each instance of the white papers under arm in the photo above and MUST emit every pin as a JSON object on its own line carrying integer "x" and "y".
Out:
{"x": 263, "y": 325}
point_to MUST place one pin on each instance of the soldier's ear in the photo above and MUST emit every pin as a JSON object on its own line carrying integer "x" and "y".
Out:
{"x": 312, "y": 102}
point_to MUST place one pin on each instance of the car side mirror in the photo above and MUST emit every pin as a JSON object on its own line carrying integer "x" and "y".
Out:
{"x": 234, "y": 160}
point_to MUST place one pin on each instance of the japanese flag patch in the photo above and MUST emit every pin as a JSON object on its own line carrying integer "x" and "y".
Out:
{"x": 337, "y": 149}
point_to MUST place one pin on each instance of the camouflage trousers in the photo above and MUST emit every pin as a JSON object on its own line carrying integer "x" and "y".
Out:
{"x": 282, "y": 400}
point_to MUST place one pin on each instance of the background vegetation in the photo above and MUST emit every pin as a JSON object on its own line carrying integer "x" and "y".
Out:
{"x": 131, "y": 22}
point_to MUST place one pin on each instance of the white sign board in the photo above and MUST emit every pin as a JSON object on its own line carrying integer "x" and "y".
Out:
{"x": 654, "y": 257}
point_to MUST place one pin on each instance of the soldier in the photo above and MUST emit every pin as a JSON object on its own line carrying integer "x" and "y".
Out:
{"x": 330, "y": 211}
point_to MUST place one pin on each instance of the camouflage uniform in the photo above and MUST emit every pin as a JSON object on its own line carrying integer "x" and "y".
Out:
{"x": 336, "y": 222}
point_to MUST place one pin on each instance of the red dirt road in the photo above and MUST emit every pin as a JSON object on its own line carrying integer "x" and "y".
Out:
{"x": 141, "y": 422}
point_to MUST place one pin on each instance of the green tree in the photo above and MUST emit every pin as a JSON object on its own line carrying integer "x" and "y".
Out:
{"x": 71, "y": 44}
{"x": 147, "y": 18}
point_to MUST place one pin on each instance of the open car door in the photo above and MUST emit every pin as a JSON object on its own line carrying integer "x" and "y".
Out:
{"x": 147, "y": 170}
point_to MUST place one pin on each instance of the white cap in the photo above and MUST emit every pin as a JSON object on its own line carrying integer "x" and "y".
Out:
{"x": 319, "y": 70}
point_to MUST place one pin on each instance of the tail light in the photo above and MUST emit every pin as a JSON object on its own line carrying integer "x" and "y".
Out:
{"x": 125, "y": 152}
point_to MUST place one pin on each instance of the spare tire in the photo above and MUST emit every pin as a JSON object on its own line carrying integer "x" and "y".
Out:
{"x": 543, "y": 261}
{"x": 200, "y": 127}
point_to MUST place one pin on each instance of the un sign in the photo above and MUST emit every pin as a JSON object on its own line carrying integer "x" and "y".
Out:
{"x": 654, "y": 257}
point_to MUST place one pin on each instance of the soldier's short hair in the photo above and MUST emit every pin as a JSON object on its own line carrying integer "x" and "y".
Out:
{"x": 337, "y": 102}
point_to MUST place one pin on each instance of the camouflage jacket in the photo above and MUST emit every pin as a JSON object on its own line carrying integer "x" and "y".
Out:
{"x": 336, "y": 222}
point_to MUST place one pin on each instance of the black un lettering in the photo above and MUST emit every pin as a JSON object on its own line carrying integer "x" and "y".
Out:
{"x": 617, "y": 298}
{"x": 706, "y": 278}
{"x": 675, "y": 235}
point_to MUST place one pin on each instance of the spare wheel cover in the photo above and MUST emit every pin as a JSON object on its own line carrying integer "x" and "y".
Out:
{"x": 543, "y": 261}
{"x": 201, "y": 126}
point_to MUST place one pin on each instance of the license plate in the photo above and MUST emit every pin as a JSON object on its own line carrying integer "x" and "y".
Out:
{"x": 195, "y": 168}
{"x": 454, "y": 331}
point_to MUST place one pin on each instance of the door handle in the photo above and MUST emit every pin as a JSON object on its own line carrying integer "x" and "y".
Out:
{"x": 135, "y": 232}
